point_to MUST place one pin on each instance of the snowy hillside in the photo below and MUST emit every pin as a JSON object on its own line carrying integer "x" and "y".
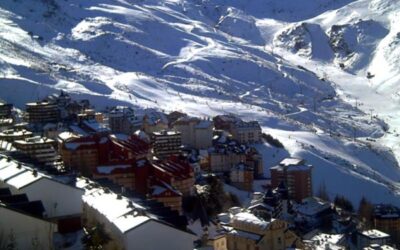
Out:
{"x": 298, "y": 68}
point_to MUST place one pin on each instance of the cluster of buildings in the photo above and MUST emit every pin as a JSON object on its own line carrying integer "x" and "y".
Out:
{"x": 124, "y": 170}
{"x": 65, "y": 167}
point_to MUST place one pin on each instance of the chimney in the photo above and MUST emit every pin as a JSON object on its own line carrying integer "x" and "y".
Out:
{"x": 130, "y": 204}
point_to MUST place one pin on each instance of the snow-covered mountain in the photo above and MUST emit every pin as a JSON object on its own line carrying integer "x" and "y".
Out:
{"x": 299, "y": 67}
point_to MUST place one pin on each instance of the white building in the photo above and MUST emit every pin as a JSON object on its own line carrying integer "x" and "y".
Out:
{"x": 27, "y": 231}
{"x": 195, "y": 132}
{"x": 372, "y": 237}
{"x": 321, "y": 241}
{"x": 128, "y": 224}
{"x": 59, "y": 199}
{"x": 246, "y": 132}
{"x": 122, "y": 119}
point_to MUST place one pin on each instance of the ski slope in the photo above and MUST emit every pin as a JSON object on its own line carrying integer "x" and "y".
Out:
{"x": 273, "y": 61}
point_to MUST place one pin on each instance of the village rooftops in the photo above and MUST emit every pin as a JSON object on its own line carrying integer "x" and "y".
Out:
{"x": 125, "y": 213}
{"x": 40, "y": 103}
{"x": 226, "y": 146}
{"x": 120, "y": 111}
{"x": 247, "y": 218}
{"x": 379, "y": 247}
{"x": 77, "y": 130}
{"x": 154, "y": 117}
{"x": 244, "y": 234}
{"x": 292, "y": 164}
{"x": 175, "y": 168}
{"x": 35, "y": 140}
{"x": 166, "y": 133}
{"x": 312, "y": 206}
{"x": 6, "y": 121}
{"x": 13, "y": 132}
{"x": 113, "y": 207}
{"x": 20, "y": 175}
{"x": 374, "y": 234}
{"x": 95, "y": 126}
{"x": 213, "y": 231}
{"x": 162, "y": 187}
{"x": 112, "y": 169}
{"x": 321, "y": 239}
{"x": 65, "y": 136}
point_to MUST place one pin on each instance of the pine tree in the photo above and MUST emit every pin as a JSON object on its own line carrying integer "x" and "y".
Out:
{"x": 95, "y": 237}
{"x": 343, "y": 203}
{"x": 322, "y": 192}
{"x": 365, "y": 211}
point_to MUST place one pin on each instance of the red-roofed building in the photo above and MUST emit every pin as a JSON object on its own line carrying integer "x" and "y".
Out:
{"x": 169, "y": 196}
{"x": 128, "y": 149}
{"x": 123, "y": 175}
{"x": 175, "y": 172}
{"x": 86, "y": 153}
{"x": 80, "y": 153}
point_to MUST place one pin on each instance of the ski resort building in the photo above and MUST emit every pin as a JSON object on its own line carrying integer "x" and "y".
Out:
{"x": 246, "y": 132}
{"x": 41, "y": 149}
{"x": 130, "y": 225}
{"x": 23, "y": 224}
{"x": 62, "y": 202}
{"x": 386, "y": 218}
{"x": 296, "y": 175}
{"x": 372, "y": 237}
{"x": 122, "y": 119}
{"x": 166, "y": 143}
{"x": 5, "y": 110}
{"x": 247, "y": 231}
{"x": 11, "y": 135}
{"x": 195, "y": 133}
{"x": 42, "y": 112}
{"x": 242, "y": 176}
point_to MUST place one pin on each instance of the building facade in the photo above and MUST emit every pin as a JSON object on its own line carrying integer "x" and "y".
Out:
{"x": 386, "y": 218}
{"x": 242, "y": 176}
{"x": 296, "y": 175}
{"x": 252, "y": 233}
{"x": 5, "y": 110}
{"x": 122, "y": 119}
{"x": 166, "y": 143}
{"x": 246, "y": 132}
{"x": 195, "y": 133}
{"x": 42, "y": 112}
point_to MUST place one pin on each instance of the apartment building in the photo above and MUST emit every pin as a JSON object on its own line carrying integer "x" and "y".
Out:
{"x": 386, "y": 218}
{"x": 42, "y": 112}
{"x": 166, "y": 143}
{"x": 122, "y": 119}
{"x": 196, "y": 133}
{"x": 242, "y": 176}
{"x": 296, "y": 175}
{"x": 41, "y": 149}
